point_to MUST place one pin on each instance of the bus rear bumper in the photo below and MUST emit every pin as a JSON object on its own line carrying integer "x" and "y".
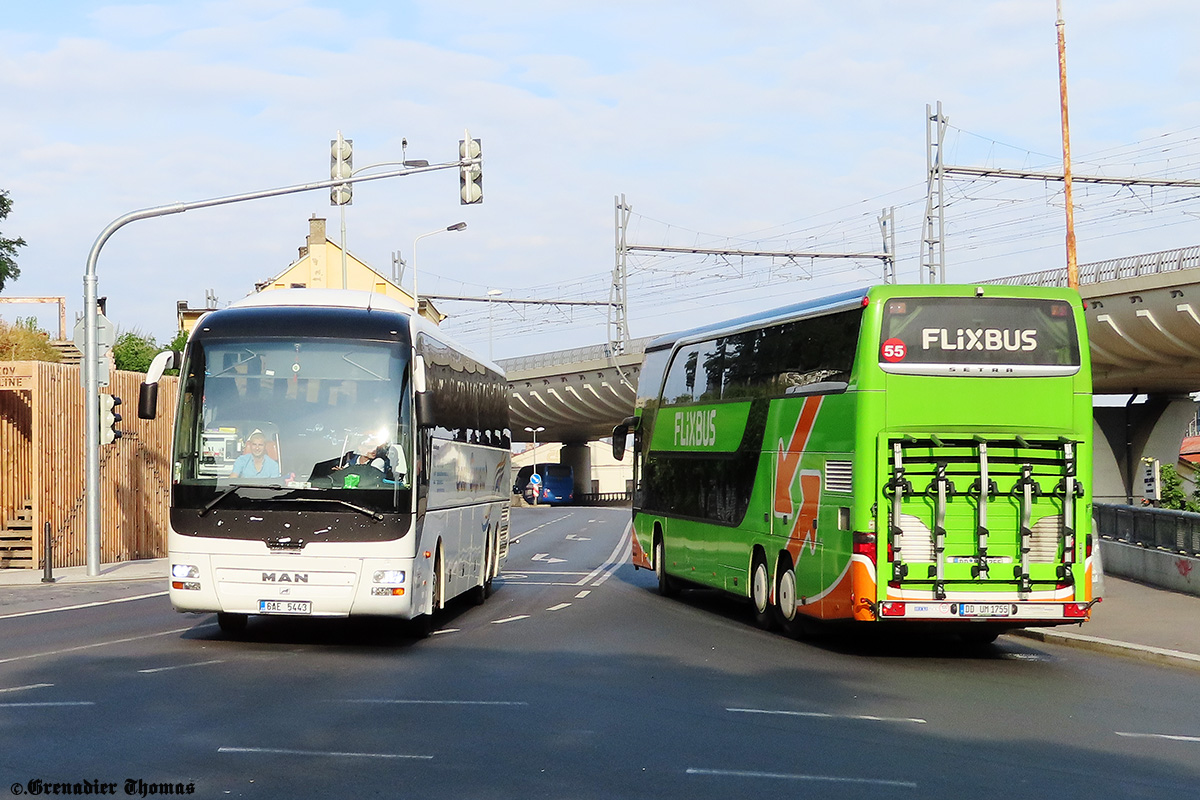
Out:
{"x": 1014, "y": 613}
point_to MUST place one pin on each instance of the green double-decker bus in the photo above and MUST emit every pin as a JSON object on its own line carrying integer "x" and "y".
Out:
{"x": 904, "y": 454}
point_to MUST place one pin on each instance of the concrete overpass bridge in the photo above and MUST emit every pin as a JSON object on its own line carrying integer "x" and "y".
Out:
{"x": 1143, "y": 317}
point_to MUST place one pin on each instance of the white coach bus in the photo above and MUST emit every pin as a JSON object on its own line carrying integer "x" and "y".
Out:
{"x": 334, "y": 455}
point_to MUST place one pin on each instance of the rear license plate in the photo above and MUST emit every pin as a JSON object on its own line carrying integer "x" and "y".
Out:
{"x": 284, "y": 607}
{"x": 984, "y": 609}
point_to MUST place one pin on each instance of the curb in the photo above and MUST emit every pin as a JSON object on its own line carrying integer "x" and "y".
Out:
{"x": 1154, "y": 655}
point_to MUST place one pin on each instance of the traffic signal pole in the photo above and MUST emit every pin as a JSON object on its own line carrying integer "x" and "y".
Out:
{"x": 91, "y": 350}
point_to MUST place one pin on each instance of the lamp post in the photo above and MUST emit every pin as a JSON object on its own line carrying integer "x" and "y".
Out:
{"x": 491, "y": 293}
{"x": 458, "y": 226}
{"x": 535, "y": 432}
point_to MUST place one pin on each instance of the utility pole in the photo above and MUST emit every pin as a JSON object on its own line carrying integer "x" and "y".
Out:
{"x": 933, "y": 244}
{"x": 1072, "y": 264}
{"x": 618, "y": 327}
{"x": 887, "y": 227}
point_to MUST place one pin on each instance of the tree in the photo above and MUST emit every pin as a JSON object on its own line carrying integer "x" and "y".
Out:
{"x": 8, "y": 247}
{"x": 133, "y": 351}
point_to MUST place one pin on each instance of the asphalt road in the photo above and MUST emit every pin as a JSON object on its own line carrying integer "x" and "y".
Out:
{"x": 574, "y": 680}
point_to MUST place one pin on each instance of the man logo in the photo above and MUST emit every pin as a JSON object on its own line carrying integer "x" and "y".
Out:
{"x": 285, "y": 577}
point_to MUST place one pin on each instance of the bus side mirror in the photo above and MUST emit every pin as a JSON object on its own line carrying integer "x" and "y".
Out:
{"x": 425, "y": 416}
{"x": 620, "y": 433}
{"x": 148, "y": 392}
{"x": 148, "y": 401}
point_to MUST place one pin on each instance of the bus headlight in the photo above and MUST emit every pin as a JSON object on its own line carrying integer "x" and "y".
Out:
{"x": 184, "y": 571}
{"x": 388, "y": 576}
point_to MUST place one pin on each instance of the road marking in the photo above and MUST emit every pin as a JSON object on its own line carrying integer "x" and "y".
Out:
{"x": 509, "y": 619}
{"x": 1174, "y": 737}
{"x": 280, "y": 751}
{"x": 48, "y": 704}
{"x": 440, "y": 631}
{"x": 126, "y": 640}
{"x": 181, "y": 666}
{"x": 83, "y": 605}
{"x": 558, "y": 607}
{"x": 518, "y": 537}
{"x": 583, "y": 594}
{"x": 570, "y": 537}
{"x": 442, "y": 702}
{"x": 616, "y": 558}
{"x": 736, "y": 773}
{"x": 527, "y": 572}
{"x": 23, "y": 688}
{"x": 547, "y": 559}
{"x": 539, "y": 583}
{"x": 822, "y": 715}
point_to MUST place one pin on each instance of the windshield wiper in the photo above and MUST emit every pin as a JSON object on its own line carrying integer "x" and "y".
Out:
{"x": 216, "y": 501}
{"x": 375, "y": 515}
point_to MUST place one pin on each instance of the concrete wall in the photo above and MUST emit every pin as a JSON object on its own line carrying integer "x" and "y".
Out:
{"x": 1154, "y": 567}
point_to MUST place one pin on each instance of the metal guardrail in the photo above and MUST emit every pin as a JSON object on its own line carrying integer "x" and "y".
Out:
{"x": 573, "y": 356}
{"x": 604, "y": 499}
{"x": 1152, "y": 528}
{"x": 1111, "y": 270}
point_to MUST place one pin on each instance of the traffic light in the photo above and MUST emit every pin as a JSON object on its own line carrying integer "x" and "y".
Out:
{"x": 341, "y": 165}
{"x": 470, "y": 176}
{"x": 109, "y": 418}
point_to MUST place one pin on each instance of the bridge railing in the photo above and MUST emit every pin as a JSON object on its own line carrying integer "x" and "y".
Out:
{"x": 575, "y": 355}
{"x": 604, "y": 499}
{"x": 1111, "y": 270}
{"x": 1152, "y": 528}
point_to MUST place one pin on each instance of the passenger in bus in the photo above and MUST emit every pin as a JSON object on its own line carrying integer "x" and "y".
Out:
{"x": 373, "y": 452}
{"x": 255, "y": 463}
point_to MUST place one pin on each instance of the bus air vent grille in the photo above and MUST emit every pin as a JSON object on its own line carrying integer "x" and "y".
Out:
{"x": 838, "y": 476}
{"x": 1047, "y": 532}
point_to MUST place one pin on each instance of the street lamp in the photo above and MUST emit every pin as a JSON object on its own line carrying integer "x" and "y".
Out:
{"x": 491, "y": 293}
{"x": 535, "y": 432}
{"x": 458, "y": 226}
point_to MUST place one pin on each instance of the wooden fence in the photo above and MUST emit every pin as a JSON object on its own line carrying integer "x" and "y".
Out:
{"x": 43, "y": 466}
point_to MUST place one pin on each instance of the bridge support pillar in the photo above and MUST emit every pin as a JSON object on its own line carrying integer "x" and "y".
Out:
{"x": 1124, "y": 435}
{"x": 579, "y": 456}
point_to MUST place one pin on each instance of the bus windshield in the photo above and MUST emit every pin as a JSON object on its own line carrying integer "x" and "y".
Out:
{"x": 303, "y": 416}
{"x": 978, "y": 336}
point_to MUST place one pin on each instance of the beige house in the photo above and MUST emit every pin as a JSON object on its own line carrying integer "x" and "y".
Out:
{"x": 319, "y": 266}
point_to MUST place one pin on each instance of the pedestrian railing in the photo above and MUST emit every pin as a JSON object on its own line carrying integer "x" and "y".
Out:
{"x": 1152, "y": 528}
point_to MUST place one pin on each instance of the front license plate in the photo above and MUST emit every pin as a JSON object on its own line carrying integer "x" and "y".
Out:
{"x": 284, "y": 607}
{"x": 984, "y": 609}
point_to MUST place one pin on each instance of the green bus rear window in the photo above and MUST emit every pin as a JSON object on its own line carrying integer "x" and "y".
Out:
{"x": 978, "y": 336}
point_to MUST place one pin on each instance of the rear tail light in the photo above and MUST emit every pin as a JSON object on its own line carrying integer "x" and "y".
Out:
{"x": 864, "y": 545}
{"x": 1076, "y": 610}
{"x": 887, "y": 609}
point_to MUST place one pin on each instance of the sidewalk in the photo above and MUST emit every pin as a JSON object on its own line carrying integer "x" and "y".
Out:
{"x": 1138, "y": 621}
{"x": 154, "y": 568}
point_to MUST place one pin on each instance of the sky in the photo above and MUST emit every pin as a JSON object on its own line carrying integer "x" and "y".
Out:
{"x": 780, "y": 125}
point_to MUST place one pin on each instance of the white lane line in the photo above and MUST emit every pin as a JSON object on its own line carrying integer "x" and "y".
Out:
{"x": 507, "y": 576}
{"x": 440, "y": 631}
{"x": 48, "y": 704}
{"x": 94, "y": 645}
{"x": 1174, "y": 737}
{"x": 737, "y": 773}
{"x": 583, "y": 594}
{"x": 23, "y": 688}
{"x": 181, "y": 666}
{"x": 441, "y": 702}
{"x": 281, "y": 751}
{"x": 615, "y": 559}
{"x": 538, "y": 583}
{"x": 558, "y": 607}
{"x": 509, "y": 619}
{"x": 519, "y": 537}
{"x": 822, "y": 715}
{"x": 83, "y": 605}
